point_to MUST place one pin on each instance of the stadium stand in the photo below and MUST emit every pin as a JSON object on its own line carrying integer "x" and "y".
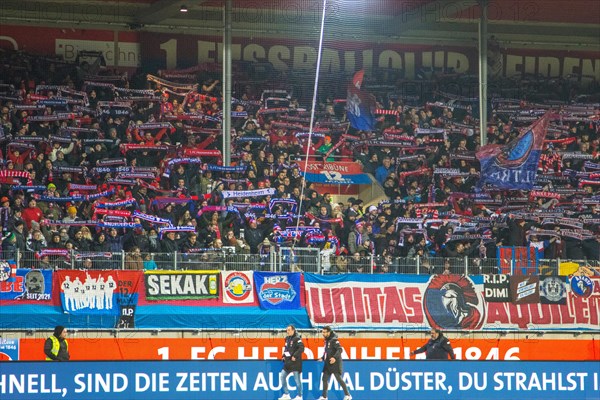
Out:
{"x": 105, "y": 171}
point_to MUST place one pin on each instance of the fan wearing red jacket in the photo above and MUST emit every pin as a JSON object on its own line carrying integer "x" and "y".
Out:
{"x": 19, "y": 158}
{"x": 32, "y": 213}
{"x": 148, "y": 138}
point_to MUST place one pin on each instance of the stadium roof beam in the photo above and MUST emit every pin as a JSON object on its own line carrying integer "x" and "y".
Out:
{"x": 163, "y": 9}
{"x": 420, "y": 15}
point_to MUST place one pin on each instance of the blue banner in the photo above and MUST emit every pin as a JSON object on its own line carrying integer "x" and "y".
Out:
{"x": 8, "y": 270}
{"x": 337, "y": 178}
{"x": 159, "y": 316}
{"x": 258, "y": 380}
{"x": 514, "y": 166}
{"x": 28, "y": 284}
{"x": 278, "y": 290}
{"x": 9, "y": 349}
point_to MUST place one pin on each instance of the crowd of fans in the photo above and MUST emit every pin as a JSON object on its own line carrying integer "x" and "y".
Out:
{"x": 95, "y": 163}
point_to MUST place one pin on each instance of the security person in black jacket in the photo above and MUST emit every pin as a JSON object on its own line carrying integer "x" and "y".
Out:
{"x": 437, "y": 348}
{"x": 292, "y": 362}
{"x": 333, "y": 362}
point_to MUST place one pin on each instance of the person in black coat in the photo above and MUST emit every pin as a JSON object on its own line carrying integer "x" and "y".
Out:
{"x": 591, "y": 248}
{"x": 169, "y": 244}
{"x": 292, "y": 362}
{"x": 332, "y": 357}
{"x": 437, "y": 348}
{"x": 9, "y": 247}
{"x": 137, "y": 238}
{"x": 168, "y": 247}
{"x": 517, "y": 229}
{"x": 100, "y": 244}
{"x": 19, "y": 231}
{"x": 254, "y": 236}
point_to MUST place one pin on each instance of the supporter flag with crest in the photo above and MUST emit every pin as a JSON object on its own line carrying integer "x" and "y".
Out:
{"x": 238, "y": 287}
{"x": 514, "y": 165}
{"x": 360, "y": 105}
{"x": 278, "y": 290}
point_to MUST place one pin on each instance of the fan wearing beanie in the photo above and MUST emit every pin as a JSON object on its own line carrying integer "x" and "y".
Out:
{"x": 56, "y": 346}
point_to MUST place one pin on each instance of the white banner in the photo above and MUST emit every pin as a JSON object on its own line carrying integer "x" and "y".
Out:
{"x": 248, "y": 193}
{"x": 238, "y": 287}
{"x": 129, "y": 53}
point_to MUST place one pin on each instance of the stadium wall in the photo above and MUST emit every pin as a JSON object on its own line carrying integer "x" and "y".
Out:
{"x": 171, "y": 50}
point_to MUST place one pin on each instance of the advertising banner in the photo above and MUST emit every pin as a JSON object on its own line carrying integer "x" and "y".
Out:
{"x": 129, "y": 53}
{"x": 278, "y": 290}
{"x": 224, "y": 346}
{"x": 27, "y": 286}
{"x": 67, "y": 43}
{"x": 238, "y": 287}
{"x": 446, "y": 302}
{"x": 98, "y": 292}
{"x": 181, "y": 285}
{"x": 258, "y": 380}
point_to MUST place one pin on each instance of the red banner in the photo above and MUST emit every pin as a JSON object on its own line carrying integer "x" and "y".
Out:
{"x": 221, "y": 347}
{"x": 343, "y": 167}
{"x": 349, "y": 57}
{"x": 448, "y": 302}
{"x": 97, "y": 292}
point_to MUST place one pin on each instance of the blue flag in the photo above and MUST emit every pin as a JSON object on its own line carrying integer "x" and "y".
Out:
{"x": 514, "y": 165}
{"x": 360, "y": 105}
{"x": 278, "y": 290}
{"x": 334, "y": 177}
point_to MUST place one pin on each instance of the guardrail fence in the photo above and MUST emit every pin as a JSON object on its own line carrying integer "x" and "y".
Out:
{"x": 297, "y": 259}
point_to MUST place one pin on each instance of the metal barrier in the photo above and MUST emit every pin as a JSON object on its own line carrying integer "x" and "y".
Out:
{"x": 553, "y": 267}
{"x": 217, "y": 260}
{"x": 306, "y": 259}
{"x": 348, "y": 264}
{"x": 287, "y": 259}
{"x": 72, "y": 260}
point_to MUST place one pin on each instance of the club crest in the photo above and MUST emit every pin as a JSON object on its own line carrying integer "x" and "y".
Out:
{"x": 451, "y": 302}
